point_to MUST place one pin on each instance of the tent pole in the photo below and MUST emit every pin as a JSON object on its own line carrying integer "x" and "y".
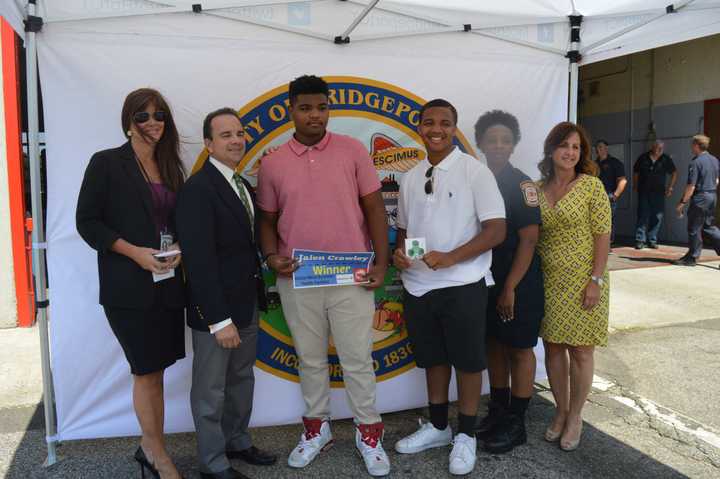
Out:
{"x": 574, "y": 56}
{"x": 574, "y": 78}
{"x": 33, "y": 24}
{"x": 477, "y": 31}
{"x": 343, "y": 38}
{"x": 672, "y": 8}
{"x": 165, "y": 6}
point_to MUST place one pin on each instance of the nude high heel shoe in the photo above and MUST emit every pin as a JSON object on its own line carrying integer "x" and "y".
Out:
{"x": 568, "y": 446}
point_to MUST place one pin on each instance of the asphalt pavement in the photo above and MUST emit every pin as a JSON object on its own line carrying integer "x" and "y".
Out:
{"x": 653, "y": 413}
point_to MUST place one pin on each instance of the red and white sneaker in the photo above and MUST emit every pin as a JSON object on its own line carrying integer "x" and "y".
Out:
{"x": 316, "y": 438}
{"x": 368, "y": 440}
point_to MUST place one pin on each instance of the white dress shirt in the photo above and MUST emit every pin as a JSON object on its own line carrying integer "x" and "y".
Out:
{"x": 228, "y": 173}
{"x": 464, "y": 195}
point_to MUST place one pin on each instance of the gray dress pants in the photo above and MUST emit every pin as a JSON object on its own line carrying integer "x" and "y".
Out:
{"x": 221, "y": 396}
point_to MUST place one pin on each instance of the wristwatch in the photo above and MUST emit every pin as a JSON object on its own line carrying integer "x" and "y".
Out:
{"x": 597, "y": 280}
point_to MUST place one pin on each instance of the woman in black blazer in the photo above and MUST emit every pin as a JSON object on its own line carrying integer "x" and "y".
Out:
{"x": 125, "y": 210}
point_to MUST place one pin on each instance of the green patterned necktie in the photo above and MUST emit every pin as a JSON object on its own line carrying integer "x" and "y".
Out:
{"x": 245, "y": 200}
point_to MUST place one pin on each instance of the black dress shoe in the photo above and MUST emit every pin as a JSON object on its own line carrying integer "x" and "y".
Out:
{"x": 653, "y": 245}
{"x": 685, "y": 261}
{"x": 485, "y": 426}
{"x": 228, "y": 473}
{"x": 507, "y": 435}
{"x": 254, "y": 456}
{"x": 639, "y": 245}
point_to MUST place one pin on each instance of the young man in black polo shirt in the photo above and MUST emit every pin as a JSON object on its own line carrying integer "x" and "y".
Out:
{"x": 612, "y": 175}
{"x": 649, "y": 181}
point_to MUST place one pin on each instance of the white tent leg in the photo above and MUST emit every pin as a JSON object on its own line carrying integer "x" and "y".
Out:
{"x": 574, "y": 57}
{"x": 38, "y": 238}
{"x": 573, "y": 103}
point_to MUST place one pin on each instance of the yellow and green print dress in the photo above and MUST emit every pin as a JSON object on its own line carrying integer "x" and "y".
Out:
{"x": 566, "y": 252}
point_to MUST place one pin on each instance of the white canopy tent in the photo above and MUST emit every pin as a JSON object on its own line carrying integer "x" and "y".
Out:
{"x": 602, "y": 30}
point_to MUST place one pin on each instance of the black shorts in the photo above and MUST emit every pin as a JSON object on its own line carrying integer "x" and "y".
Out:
{"x": 447, "y": 326}
{"x": 522, "y": 332}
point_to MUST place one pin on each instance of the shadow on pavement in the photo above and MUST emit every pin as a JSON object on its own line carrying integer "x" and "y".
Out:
{"x": 599, "y": 456}
{"x": 648, "y": 259}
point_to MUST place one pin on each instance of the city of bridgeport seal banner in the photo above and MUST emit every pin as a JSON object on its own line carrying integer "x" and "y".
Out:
{"x": 384, "y": 118}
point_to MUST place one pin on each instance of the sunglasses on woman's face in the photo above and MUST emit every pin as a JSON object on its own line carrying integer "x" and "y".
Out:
{"x": 143, "y": 116}
{"x": 429, "y": 183}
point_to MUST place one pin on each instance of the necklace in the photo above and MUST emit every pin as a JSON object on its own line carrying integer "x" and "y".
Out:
{"x": 161, "y": 197}
{"x": 143, "y": 170}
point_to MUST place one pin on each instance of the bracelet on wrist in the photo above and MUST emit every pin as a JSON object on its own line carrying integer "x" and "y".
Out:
{"x": 267, "y": 256}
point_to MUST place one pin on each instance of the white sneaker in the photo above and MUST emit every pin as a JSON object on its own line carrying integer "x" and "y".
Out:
{"x": 368, "y": 440}
{"x": 424, "y": 438}
{"x": 316, "y": 438}
{"x": 463, "y": 455}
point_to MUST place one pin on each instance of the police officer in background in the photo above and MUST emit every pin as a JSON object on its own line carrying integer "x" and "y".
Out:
{"x": 649, "y": 181}
{"x": 612, "y": 175}
{"x": 701, "y": 193}
{"x": 516, "y": 303}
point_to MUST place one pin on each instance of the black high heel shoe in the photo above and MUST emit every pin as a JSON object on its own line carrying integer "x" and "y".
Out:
{"x": 144, "y": 463}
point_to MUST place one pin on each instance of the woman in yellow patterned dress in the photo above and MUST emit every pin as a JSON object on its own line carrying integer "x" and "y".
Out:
{"x": 574, "y": 245}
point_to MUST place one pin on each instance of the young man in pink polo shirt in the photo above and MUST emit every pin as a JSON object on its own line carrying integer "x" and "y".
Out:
{"x": 320, "y": 191}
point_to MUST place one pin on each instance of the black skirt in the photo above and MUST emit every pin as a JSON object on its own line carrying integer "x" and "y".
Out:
{"x": 152, "y": 339}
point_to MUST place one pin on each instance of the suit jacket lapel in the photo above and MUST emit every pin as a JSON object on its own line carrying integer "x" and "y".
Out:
{"x": 137, "y": 179}
{"x": 228, "y": 195}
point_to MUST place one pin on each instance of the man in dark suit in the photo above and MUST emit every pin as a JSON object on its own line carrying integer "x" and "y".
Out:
{"x": 216, "y": 229}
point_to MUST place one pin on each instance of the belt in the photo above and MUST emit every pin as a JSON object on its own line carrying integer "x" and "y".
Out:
{"x": 705, "y": 191}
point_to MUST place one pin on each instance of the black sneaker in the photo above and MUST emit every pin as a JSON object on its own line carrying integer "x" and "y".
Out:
{"x": 685, "y": 261}
{"x": 653, "y": 245}
{"x": 485, "y": 426}
{"x": 508, "y": 435}
{"x": 639, "y": 245}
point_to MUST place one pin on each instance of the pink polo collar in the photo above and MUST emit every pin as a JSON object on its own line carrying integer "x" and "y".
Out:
{"x": 298, "y": 148}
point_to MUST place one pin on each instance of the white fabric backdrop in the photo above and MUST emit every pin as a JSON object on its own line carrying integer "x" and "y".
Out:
{"x": 201, "y": 63}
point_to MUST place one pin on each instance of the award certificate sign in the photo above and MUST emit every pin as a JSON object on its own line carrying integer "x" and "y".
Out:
{"x": 321, "y": 268}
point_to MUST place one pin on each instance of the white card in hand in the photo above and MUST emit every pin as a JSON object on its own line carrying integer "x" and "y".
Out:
{"x": 415, "y": 248}
{"x": 167, "y": 254}
{"x": 163, "y": 276}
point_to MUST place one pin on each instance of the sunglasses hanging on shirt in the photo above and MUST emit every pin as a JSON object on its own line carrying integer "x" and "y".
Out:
{"x": 143, "y": 116}
{"x": 429, "y": 182}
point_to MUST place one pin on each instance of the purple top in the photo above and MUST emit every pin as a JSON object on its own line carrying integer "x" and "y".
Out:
{"x": 163, "y": 205}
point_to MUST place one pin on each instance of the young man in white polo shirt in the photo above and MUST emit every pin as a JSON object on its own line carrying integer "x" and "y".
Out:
{"x": 452, "y": 200}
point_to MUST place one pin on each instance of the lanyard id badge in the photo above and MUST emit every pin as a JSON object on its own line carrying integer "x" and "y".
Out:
{"x": 166, "y": 240}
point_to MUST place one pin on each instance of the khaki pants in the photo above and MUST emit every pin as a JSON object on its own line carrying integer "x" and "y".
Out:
{"x": 346, "y": 312}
